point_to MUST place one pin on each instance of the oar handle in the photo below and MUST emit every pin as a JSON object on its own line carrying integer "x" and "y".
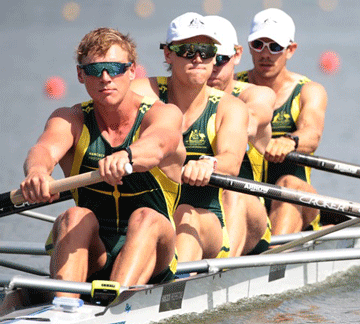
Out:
{"x": 81, "y": 180}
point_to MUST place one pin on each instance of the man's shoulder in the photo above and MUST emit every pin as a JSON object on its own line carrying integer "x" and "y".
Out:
{"x": 229, "y": 102}
{"x": 145, "y": 86}
{"x": 74, "y": 111}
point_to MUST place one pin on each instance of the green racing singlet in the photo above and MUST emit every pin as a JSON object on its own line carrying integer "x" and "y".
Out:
{"x": 200, "y": 139}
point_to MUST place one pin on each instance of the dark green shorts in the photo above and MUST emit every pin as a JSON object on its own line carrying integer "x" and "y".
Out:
{"x": 203, "y": 197}
{"x": 274, "y": 171}
{"x": 113, "y": 244}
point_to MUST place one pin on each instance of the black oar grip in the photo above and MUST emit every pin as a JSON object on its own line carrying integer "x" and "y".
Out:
{"x": 5, "y": 200}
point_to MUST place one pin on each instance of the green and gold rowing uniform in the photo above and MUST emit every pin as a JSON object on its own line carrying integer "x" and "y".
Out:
{"x": 253, "y": 161}
{"x": 200, "y": 139}
{"x": 284, "y": 121}
{"x": 113, "y": 205}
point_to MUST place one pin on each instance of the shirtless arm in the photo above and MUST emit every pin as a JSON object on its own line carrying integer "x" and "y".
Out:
{"x": 260, "y": 101}
{"x": 160, "y": 136}
{"x": 56, "y": 140}
{"x": 232, "y": 136}
{"x": 158, "y": 145}
{"x": 231, "y": 128}
{"x": 310, "y": 125}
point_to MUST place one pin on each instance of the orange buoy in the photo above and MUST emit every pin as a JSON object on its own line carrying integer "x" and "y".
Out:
{"x": 55, "y": 87}
{"x": 329, "y": 62}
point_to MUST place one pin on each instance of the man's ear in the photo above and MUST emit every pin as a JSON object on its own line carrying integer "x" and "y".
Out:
{"x": 80, "y": 74}
{"x": 238, "y": 54}
{"x": 167, "y": 53}
{"x": 291, "y": 50}
{"x": 131, "y": 71}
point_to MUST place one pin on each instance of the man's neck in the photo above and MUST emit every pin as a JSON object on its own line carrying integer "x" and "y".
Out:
{"x": 276, "y": 82}
{"x": 186, "y": 97}
{"x": 115, "y": 116}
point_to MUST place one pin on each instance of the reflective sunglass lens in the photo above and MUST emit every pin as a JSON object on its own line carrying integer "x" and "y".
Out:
{"x": 113, "y": 68}
{"x": 189, "y": 50}
{"x": 257, "y": 44}
{"x": 222, "y": 60}
{"x": 275, "y": 47}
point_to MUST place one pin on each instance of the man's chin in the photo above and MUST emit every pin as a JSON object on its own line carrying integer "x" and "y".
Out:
{"x": 213, "y": 83}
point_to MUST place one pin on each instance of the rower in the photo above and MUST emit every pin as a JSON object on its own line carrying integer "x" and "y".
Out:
{"x": 298, "y": 120}
{"x": 211, "y": 118}
{"x": 121, "y": 228}
{"x": 246, "y": 216}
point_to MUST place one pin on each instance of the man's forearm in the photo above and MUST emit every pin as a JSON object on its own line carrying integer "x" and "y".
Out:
{"x": 39, "y": 159}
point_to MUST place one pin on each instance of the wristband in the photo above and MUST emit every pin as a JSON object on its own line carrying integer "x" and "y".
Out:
{"x": 294, "y": 138}
{"x": 128, "y": 150}
{"x": 212, "y": 158}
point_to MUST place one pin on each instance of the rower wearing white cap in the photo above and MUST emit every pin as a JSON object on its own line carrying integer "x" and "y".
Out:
{"x": 246, "y": 216}
{"x": 214, "y": 133}
{"x": 298, "y": 120}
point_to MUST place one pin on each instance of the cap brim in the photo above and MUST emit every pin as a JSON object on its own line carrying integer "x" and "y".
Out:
{"x": 194, "y": 35}
{"x": 272, "y": 34}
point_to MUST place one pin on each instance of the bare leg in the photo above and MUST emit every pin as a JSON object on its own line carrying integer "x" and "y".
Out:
{"x": 235, "y": 215}
{"x": 148, "y": 249}
{"x": 75, "y": 233}
{"x": 246, "y": 221}
{"x": 198, "y": 233}
{"x": 256, "y": 221}
{"x": 289, "y": 218}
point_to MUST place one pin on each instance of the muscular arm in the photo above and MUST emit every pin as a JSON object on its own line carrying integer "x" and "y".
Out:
{"x": 51, "y": 147}
{"x": 158, "y": 145}
{"x": 160, "y": 136}
{"x": 260, "y": 101}
{"x": 232, "y": 121}
{"x": 231, "y": 135}
{"x": 310, "y": 125}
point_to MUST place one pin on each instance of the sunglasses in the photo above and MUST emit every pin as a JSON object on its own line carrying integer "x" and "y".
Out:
{"x": 113, "y": 68}
{"x": 222, "y": 60}
{"x": 189, "y": 50}
{"x": 274, "y": 48}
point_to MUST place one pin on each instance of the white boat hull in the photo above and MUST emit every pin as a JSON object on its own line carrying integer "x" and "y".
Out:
{"x": 203, "y": 292}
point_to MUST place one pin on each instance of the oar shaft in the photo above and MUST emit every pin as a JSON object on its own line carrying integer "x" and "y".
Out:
{"x": 313, "y": 236}
{"x": 8, "y": 208}
{"x": 208, "y": 265}
{"x": 285, "y": 194}
{"x": 324, "y": 164}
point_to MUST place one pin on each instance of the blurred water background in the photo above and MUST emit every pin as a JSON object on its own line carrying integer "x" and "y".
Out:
{"x": 38, "y": 39}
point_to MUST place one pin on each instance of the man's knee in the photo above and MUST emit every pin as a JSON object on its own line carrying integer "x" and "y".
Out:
{"x": 290, "y": 181}
{"x": 185, "y": 214}
{"x": 76, "y": 218}
{"x": 144, "y": 218}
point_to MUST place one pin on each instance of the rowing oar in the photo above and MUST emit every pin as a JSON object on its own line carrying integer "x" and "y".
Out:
{"x": 7, "y": 207}
{"x": 312, "y": 236}
{"x": 324, "y": 164}
{"x": 292, "y": 196}
{"x": 285, "y": 194}
{"x": 13, "y": 201}
{"x": 215, "y": 265}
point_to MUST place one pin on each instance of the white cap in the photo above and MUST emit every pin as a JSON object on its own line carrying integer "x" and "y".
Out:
{"x": 225, "y": 33}
{"x": 274, "y": 24}
{"x": 190, "y": 25}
